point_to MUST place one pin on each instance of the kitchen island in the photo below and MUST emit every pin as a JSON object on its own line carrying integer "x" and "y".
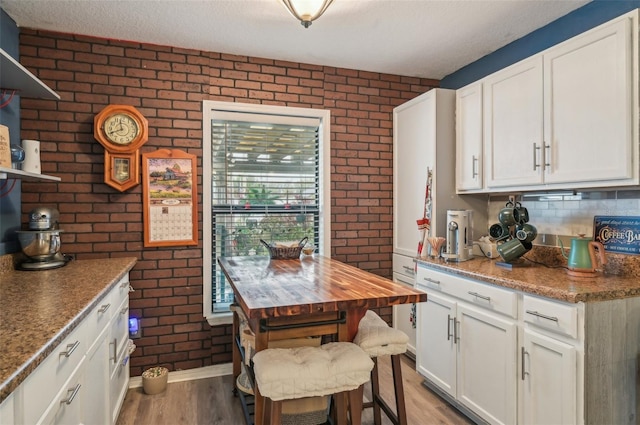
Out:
{"x": 311, "y": 296}
{"x": 530, "y": 344}
{"x": 39, "y": 310}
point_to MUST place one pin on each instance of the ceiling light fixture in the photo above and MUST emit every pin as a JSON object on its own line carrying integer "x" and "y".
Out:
{"x": 306, "y": 11}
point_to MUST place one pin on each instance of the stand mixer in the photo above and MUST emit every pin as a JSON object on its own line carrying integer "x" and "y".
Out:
{"x": 41, "y": 243}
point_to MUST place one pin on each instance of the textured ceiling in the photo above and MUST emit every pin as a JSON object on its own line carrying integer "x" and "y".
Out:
{"x": 422, "y": 38}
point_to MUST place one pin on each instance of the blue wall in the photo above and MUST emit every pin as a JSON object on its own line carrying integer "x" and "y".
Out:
{"x": 10, "y": 207}
{"x": 576, "y": 22}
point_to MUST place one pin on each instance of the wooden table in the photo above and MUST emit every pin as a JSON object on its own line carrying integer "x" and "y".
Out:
{"x": 307, "y": 297}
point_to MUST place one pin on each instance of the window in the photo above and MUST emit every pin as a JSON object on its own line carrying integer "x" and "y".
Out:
{"x": 266, "y": 177}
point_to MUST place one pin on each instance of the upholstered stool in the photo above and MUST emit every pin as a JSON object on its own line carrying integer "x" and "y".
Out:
{"x": 310, "y": 411}
{"x": 338, "y": 368}
{"x": 376, "y": 338}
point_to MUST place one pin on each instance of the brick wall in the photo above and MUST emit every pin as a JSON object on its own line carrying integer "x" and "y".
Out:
{"x": 168, "y": 85}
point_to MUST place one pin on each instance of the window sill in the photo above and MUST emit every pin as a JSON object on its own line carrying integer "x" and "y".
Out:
{"x": 220, "y": 319}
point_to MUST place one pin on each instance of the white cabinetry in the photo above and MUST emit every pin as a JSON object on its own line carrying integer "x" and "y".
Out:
{"x": 404, "y": 272}
{"x": 469, "y": 155}
{"x": 590, "y": 84}
{"x": 565, "y": 118}
{"x": 73, "y": 385}
{"x": 467, "y": 343}
{"x": 513, "y": 125}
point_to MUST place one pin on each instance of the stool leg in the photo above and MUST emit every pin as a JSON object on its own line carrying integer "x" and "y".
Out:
{"x": 375, "y": 392}
{"x": 273, "y": 411}
{"x": 399, "y": 389}
{"x": 340, "y": 408}
{"x": 355, "y": 405}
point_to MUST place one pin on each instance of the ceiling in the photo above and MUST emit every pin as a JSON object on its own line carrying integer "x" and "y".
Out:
{"x": 420, "y": 38}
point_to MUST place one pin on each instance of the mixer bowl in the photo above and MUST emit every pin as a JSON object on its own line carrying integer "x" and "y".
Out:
{"x": 40, "y": 245}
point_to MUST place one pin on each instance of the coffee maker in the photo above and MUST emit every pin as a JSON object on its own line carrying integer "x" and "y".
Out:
{"x": 459, "y": 245}
{"x": 41, "y": 243}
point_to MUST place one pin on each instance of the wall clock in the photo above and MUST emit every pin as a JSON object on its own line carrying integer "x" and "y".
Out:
{"x": 122, "y": 130}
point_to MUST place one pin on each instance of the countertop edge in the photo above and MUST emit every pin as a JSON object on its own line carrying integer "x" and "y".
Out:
{"x": 19, "y": 376}
{"x": 559, "y": 294}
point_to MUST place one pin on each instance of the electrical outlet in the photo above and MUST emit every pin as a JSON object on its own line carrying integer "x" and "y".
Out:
{"x": 134, "y": 327}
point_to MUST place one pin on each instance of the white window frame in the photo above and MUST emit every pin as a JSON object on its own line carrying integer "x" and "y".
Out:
{"x": 209, "y": 110}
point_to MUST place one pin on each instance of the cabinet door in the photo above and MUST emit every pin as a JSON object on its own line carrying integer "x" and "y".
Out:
{"x": 413, "y": 127}
{"x": 469, "y": 137}
{"x": 402, "y": 315}
{"x": 436, "y": 348}
{"x": 96, "y": 409}
{"x": 487, "y": 364}
{"x": 589, "y": 106}
{"x": 513, "y": 125}
{"x": 548, "y": 379}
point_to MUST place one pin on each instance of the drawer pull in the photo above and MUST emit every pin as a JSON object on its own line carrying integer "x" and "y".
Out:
{"x": 449, "y": 334}
{"x": 474, "y": 166}
{"x": 543, "y": 316}
{"x": 408, "y": 269}
{"x": 70, "y": 349}
{"x": 69, "y": 399}
{"x": 124, "y": 310}
{"x": 428, "y": 279}
{"x": 104, "y": 308}
{"x": 475, "y": 294}
{"x": 125, "y": 284}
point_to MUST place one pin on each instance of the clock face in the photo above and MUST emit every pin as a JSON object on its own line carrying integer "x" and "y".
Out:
{"x": 121, "y": 129}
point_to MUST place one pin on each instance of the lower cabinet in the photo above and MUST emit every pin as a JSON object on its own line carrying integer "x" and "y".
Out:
{"x": 508, "y": 357}
{"x": 84, "y": 380}
{"x": 548, "y": 375}
{"x": 467, "y": 350}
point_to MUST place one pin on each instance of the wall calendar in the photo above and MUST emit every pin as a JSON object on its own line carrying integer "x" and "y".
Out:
{"x": 170, "y": 199}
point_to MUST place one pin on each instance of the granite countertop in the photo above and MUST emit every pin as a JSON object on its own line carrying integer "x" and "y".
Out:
{"x": 551, "y": 282}
{"x": 38, "y": 309}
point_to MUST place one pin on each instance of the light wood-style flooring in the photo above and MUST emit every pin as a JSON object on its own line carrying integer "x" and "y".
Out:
{"x": 211, "y": 401}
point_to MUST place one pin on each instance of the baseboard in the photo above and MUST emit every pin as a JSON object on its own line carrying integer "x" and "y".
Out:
{"x": 190, "y": 374}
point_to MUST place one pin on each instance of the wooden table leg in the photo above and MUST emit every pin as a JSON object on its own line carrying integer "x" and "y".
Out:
{"x": 262, "y": 339}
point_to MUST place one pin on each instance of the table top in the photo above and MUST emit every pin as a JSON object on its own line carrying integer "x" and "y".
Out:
{"x": 267, "y": 288}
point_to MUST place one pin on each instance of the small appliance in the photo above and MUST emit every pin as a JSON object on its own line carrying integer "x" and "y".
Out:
{"x": 41, "y": 243}
{"x": 459, "y": 245}
{"x": 582, "y": 259}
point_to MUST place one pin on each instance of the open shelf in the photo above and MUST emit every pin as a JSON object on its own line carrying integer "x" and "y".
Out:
{"x": 10, "y": 173}
{"x": 16, "y": 77}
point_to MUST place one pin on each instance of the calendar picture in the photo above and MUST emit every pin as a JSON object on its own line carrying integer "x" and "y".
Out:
{"x": 170, "y": 202}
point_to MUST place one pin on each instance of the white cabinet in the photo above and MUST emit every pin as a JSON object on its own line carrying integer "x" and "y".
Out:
{"x": 551, "y": 346}
{"x": 403, "y": 317}
{"x": 588, "y": 104}
{"x": 513, "y": 125}
{"x": 469, "y": 155}
{"x": 82, "y": 380}
{"x": 466, "y": 346}
{"x": 423, "y": 138}
{"x": 548, "y": 374}
{"x": 565, "y": 118}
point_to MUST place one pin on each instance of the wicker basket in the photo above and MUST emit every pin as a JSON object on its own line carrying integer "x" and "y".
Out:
{"x": 285, "y": 253}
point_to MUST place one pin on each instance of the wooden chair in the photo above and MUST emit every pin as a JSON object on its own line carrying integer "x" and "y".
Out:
{"x": 338, "y": 368}
{"x": 376, "y": 338}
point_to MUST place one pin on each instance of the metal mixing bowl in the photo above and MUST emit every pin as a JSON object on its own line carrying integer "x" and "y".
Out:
{"x": 40, "y": 245}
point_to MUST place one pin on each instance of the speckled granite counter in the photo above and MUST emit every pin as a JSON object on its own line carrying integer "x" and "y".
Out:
{"x": 38, "y": 309}
{"x": 544, "y": 281}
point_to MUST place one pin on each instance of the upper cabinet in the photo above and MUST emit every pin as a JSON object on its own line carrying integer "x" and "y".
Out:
{"x": 563, "y": 119}
{"x": 513, "y": 125}
{"x": 16, "y": 77}
{"x": 469, "y": 159}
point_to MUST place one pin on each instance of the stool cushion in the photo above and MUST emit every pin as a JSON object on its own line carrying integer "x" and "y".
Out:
{"x": 376, "y": 338}
{"x": 289, "y": 373}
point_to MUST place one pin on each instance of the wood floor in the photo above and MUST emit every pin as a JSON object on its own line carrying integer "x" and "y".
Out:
{"x": 211, "y": 401}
